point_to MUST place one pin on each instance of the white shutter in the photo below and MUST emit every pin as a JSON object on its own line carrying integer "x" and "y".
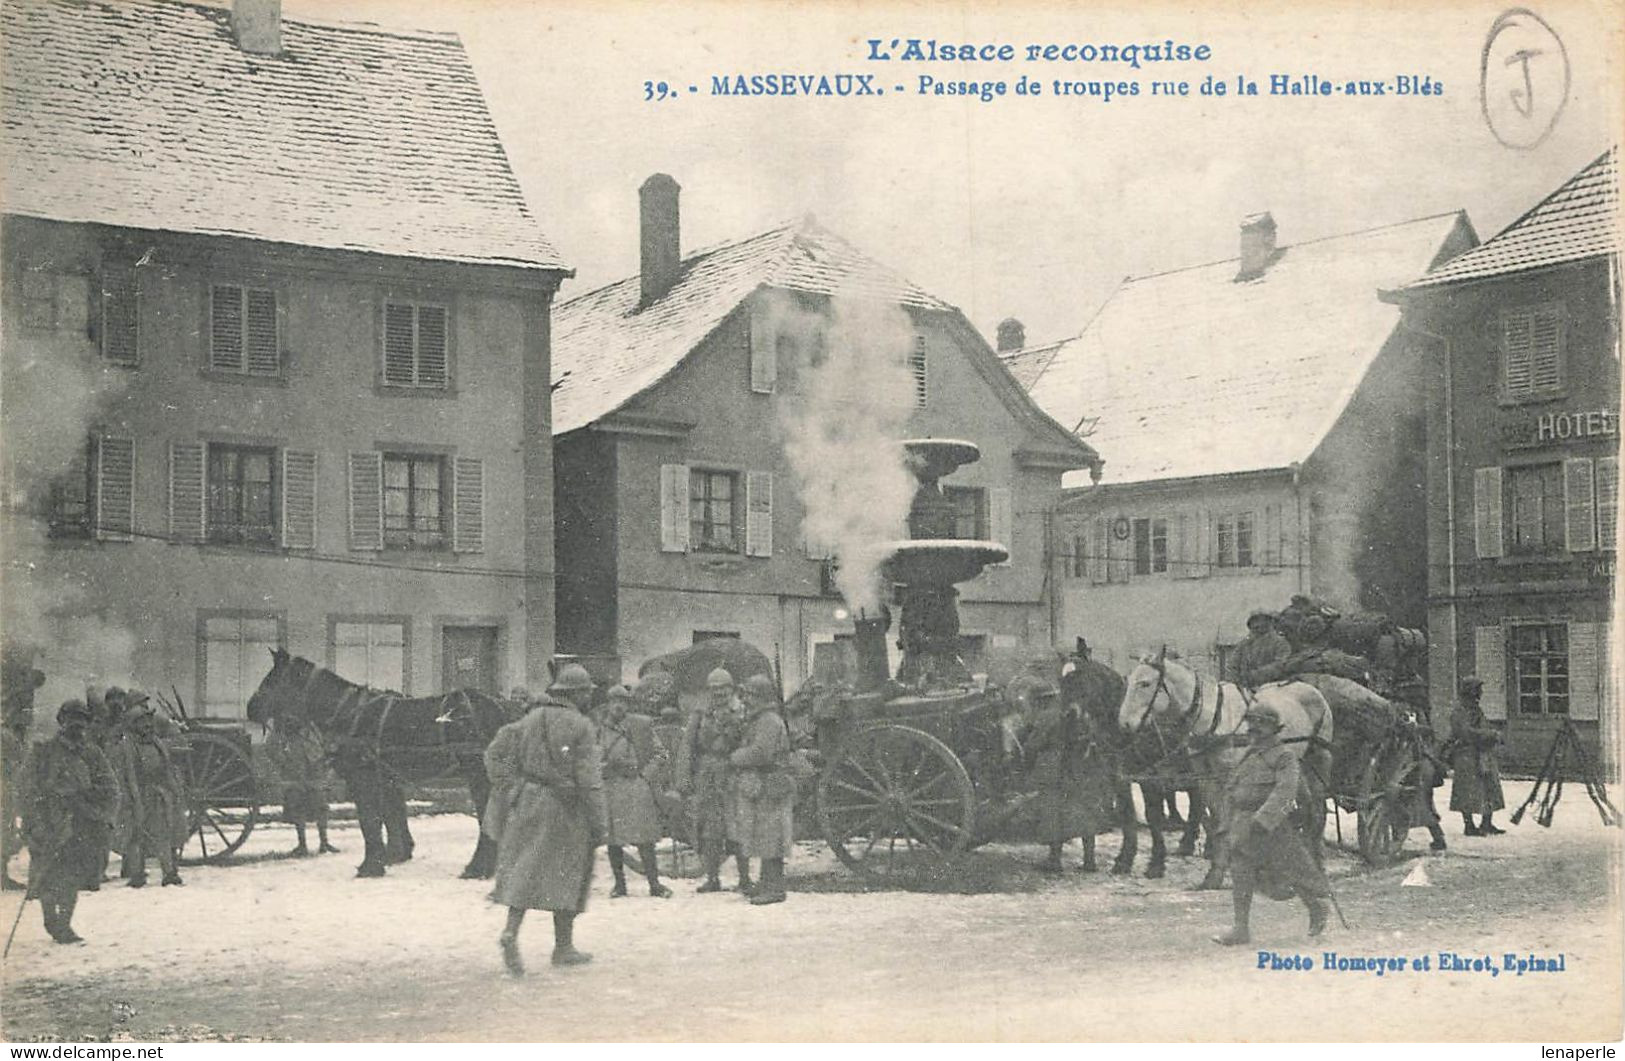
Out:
{"x": 1546, "y": 351}
{"x": 1272, "y": 536}
{"x": 115, "y": 489}
{"x": 400, "y": 344}
{"x": 1607, "y": 501}
{"x": 1585, "y": 671}
{"x": 1114, "y": 549}
{"x": 226, "y": 328}
{"x": 262, "y": 349}
{"x": 367, "y": 501}
{"x": 674, "y": 508}
{"x": 1202, "y": 531}
{"x": 1001, "y": 519}
{"x": 433, "y": 359}
{"x": 468, "y": 505}
{"x": 758, "y": 513}
{"x": 1579, "y": 506}
{"x": 1490, "y": 665}
{"x": 1517, "y": 353}
{"x": 1487, "y": 521}
{"x": 186, "y": 491}
{"x": 298, "y": 499}
{"x": 1098, "y": 550}
{"x": 120, "y": 305}
{"x": 764, "y": 353}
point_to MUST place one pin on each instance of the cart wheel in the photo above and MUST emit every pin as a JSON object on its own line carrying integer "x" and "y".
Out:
{"x": 1388, "y": 787}
{"x": 896, "y": 800}
{"x": 221, "y": 801}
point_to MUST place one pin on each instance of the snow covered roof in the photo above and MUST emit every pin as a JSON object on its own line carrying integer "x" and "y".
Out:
{"x": 148, "y": 115}
{"x": 1578, "y": 220}
{"x": 1194, "y": 373}
{"x": 614, "y": 349}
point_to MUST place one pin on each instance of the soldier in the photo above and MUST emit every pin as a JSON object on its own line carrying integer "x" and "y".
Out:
{"x": 1476, "y": 769}
{"x": 106, "y": 734}
{"x": 704, "y": 777}
{"x": 766, "y": 792}
{"x": 547, "y": 768}
{"x": 1265, "y": 646}
{"x": 299, "y": 752}
{"x": 633, "y": 762}
{"x": 74, "y": 798}
{"x": 16, "y": 720}
{"x": 157, "y": 816}
{"x": 1075, "y": 797}
{"x": 1268, "y": 852}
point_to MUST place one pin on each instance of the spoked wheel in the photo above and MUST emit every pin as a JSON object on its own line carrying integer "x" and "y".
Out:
{"x": 1388, "y": 790}
{"x": 896, "y": 801}
{"x": 220, "y": 798}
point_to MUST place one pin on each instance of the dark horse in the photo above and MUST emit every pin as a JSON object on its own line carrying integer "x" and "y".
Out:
{"x": 382, "y": 738}
{"x": 1096, "y": 691}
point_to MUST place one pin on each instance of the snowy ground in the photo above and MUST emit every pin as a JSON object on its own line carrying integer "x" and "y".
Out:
{"x": 299, "y": 949}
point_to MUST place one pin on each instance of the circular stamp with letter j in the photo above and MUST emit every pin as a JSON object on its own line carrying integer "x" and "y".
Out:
{"x": 1523, "y": 78}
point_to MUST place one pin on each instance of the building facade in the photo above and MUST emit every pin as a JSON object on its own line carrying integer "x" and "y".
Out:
{"x": 1521, "y": 337}
{"x": 253, "y": 405}
{"x": 681, "y": 510}
{"x": 1261, "y": 422}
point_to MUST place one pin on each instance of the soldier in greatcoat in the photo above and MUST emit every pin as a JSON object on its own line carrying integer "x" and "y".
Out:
{"x": 18, "y": 684}
{"x": 705, "y": 778}
{"x": 107, "y": 734}
{"x": 1476, "y": 770}
{"x": 634, "y": 762}
{"x": 73, "y": 799}
{"x": 156, "y": 814}
{"x": 299, "y": 753}
{"x": 1264, "y": 647}
{"x": 766, "y": 791}
{"x": 548, "y": 814}
{"x": 1268, "y": 849}
{"x": 1074, "y": 782}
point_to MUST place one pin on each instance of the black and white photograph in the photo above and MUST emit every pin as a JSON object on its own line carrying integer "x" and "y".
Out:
{"x": 534, "y": 521}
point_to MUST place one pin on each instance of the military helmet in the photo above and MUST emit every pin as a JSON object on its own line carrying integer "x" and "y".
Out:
{"x": 760, "y": 685}
{"x": 1263, "y": 715}
{"x": 572, "y": 677}
{"x": 621, "y": 692}
{"x": 718, "y": 679}
{"x": 73, "y": 711}
{"x": 1268, "y": 617}
{"x": 1470, "y": 685}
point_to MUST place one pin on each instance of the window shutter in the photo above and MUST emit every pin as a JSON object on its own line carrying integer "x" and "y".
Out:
{"x": 1490, "y": 665}
{"x": 226, "y": 328}
{"x": 1271, "y": 550}
{"x": 1607, "y": 501}
{"x": 1002, "y": 520}
{"x": 468, "y": 505}
{"x": 115, "y": 489}
{"x": 917, "y": 363}
{"x": 186, "y": 491}
{"x": 1517, "y": 353}
{"x": 758, "y": 513}
{"x": 367, "y": 501}
{"x": 1487, "y": 526}
{"x": 399, "y": 342}
{"x": 120, "y": 315}
{"x": 1202, "y": 531}
{"x": 431, "y": 346}
{"x": 1098, "y": 551}
{"x": 1546, "y": 350}
{"x": 298, "y": 499}
{"x": 764, "y": 354}
{"x": 1585, "y": 671}
{"x": 263, "y": 353}
{"x": 1579, "y": 506}
{"x": 674, "y": 508}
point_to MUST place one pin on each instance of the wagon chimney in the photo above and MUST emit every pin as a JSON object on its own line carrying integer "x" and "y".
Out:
{"x": 1257, "y": 245}
{"x": 658, "y": 235}
{"x": 257, "y": 25}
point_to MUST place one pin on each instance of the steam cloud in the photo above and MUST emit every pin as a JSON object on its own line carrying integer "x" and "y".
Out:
{"x": 842, "y": 435}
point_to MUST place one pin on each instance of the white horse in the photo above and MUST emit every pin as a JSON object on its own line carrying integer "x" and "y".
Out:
{"x": 1186, "y": 725}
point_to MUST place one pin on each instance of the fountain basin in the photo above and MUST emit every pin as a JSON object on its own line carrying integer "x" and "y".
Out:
{"x": 933, "y": 458}
{"x": 939, "y": 561}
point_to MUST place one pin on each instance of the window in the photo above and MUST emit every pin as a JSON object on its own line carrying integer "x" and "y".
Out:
{"x": 120, "y": 315}
{"x": 243, "y": 331}
{"x": 1532, "y": 352}
{"x": 1235, "y": 543}
{"x": 1537, "y": 508}
{"x": 415, "y": 345}
{"x": 70, "y": 503}
{"x": 970, "y": 511}
{"x": 242, "y": 495}
{"x": 1150, "y": 546}
{"x": 414, "y": 501}
{"x": 916, "y": 364}
{"x": 1540, "y": 669}
{"x": 55, "y": 302}
{"x": 1080, "y": 556}
{"x": 711, "y": 511}
{"x": 371, "y": 653}
{"x": 236, "y": 657}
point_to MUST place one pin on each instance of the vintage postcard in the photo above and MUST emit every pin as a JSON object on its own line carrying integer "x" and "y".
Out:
{"x": 546, "y": 521}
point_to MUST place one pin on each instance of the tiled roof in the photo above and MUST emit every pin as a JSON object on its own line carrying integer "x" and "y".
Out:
{"x": 1028, "y": 363}
{"x": 1579, "y": 220}
{"x": 1191, "y": 373}
{"x": 147, "y": 115}
{"x": 613, "y": 350}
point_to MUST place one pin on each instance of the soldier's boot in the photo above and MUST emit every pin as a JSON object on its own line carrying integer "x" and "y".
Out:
{"x": 322, "y": 846}
{"x": 742, "y": 867}
{"x": 63, "y": 920}
{"x": 651, "y": 872}
{"x": 508, "y": 942}
{"x": 771, "y": 890}
{"x": 1467, "y": 826}
{"x": 1489, "y": 828}
{"x": 300, "y": 849}
{"x": 617, "y": 866}
{"x": 713, "y": 868}
{"x": 1437, "y": 833}
{"x": 1319, "y": 911}
{"x": 564, "y": 948}
{"x": 137, "y": 881}
{"x": 1240, "y": 932}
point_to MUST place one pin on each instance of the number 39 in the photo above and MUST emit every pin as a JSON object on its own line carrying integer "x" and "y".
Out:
{"x": 657, "y": 90}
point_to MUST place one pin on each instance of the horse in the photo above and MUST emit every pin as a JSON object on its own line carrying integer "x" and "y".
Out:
{"x": 1197, "y": 726}
{"x": 382, "y": 738}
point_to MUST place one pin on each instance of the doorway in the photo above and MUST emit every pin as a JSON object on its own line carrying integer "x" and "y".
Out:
{"x": 469, "y": 658}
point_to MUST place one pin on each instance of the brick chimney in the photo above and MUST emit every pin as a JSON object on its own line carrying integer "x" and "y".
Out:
{"x": 659, "y": 236}
{"x": 1012, "y": 335}
{"x": 1257, "y": 245}
{"x": 257, "y": 24}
